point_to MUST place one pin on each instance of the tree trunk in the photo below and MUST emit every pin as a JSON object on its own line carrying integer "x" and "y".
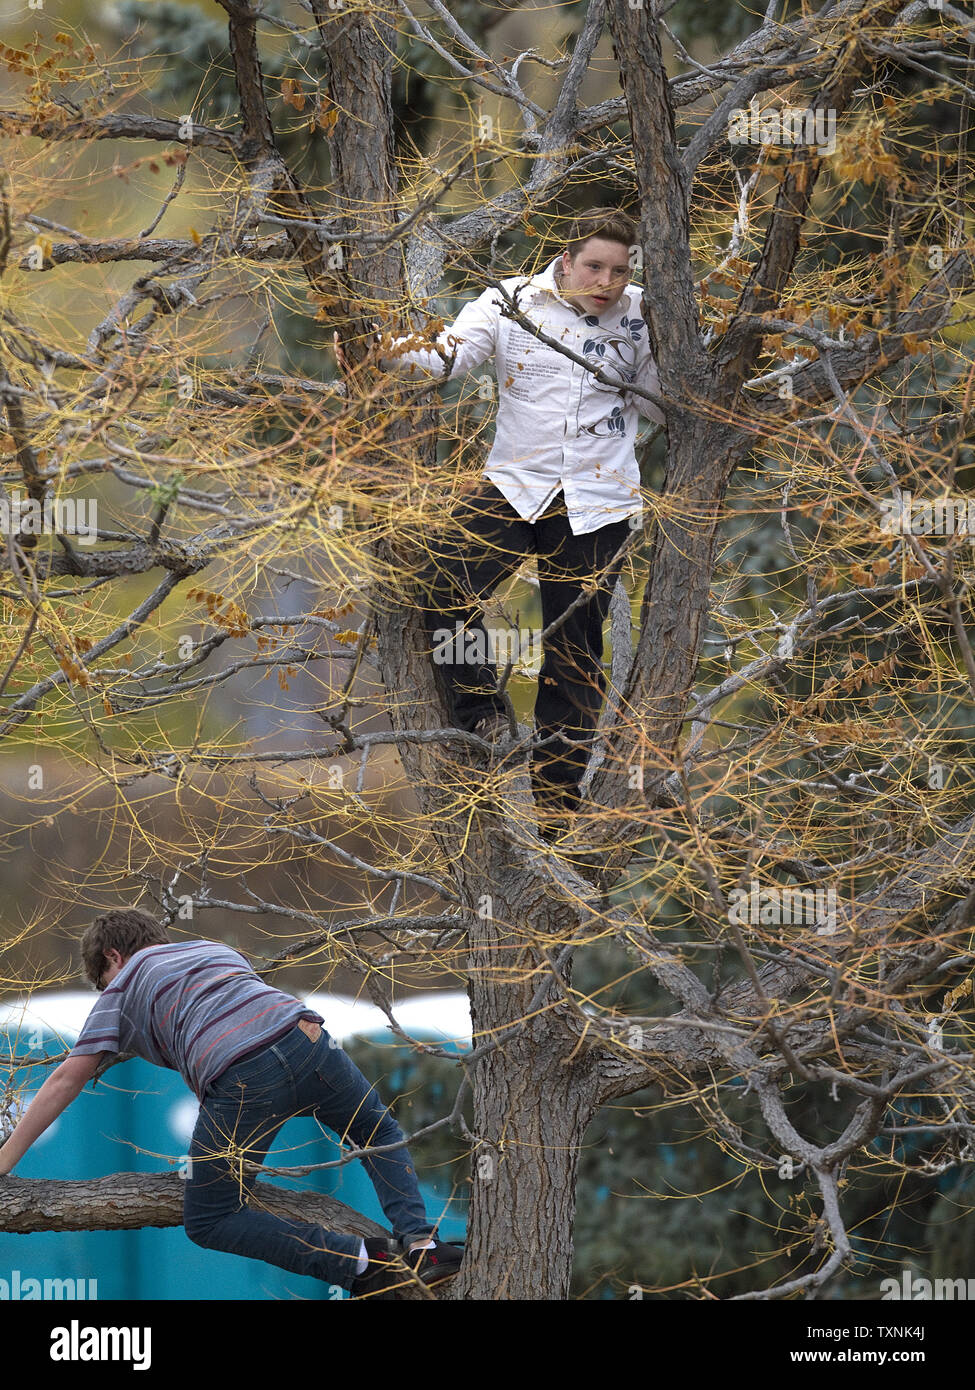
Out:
{"x": 701, "y": 460}
{"x": 532, "y": 1107}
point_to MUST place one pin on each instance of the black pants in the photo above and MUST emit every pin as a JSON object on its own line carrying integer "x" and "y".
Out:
{"x": 486, "y": 544}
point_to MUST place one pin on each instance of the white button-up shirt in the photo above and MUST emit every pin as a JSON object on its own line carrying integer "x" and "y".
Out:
{"x": 557, "y": 426}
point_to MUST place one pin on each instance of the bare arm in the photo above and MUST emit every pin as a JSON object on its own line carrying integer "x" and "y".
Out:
{"x": 57, "y": 1093}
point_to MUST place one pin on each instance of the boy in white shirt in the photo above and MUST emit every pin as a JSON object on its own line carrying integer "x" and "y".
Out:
{"x": 561, "y": 482}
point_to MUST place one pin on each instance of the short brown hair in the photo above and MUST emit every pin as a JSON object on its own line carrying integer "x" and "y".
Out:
{"x": 125, "y": 930}
{"x": 608, "y": 223}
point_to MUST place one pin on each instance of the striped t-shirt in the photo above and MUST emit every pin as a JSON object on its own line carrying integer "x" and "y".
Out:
{"x": 195, "y": 1006}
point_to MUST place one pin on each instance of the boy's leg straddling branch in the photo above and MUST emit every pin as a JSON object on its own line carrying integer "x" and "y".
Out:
{"x": 240, "y": 1115}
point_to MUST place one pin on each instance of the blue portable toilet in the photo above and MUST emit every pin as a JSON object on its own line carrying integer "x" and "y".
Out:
{"x": 139, "y": 1118}
{"x": 75, "y": 1145}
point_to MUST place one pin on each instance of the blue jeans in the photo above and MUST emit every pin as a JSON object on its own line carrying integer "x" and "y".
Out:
{"x": 242, "y": 1111}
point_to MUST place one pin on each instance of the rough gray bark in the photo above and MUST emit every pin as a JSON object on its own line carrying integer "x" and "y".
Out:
{"x": 126, "y": 1201}
{"x": 534, "y": 1100}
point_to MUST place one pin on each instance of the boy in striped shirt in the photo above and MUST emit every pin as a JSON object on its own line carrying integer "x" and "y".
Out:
{"x": 254, "y": 1056}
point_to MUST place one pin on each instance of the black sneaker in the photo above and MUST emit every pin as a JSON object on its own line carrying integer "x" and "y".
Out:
{"x": 383, "y": 1272}
{"x": 434, "y": 1263}
{"x": 392, "y": 1266}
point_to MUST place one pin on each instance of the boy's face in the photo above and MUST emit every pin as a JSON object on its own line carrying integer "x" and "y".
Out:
{"x": 596, "y": 276}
